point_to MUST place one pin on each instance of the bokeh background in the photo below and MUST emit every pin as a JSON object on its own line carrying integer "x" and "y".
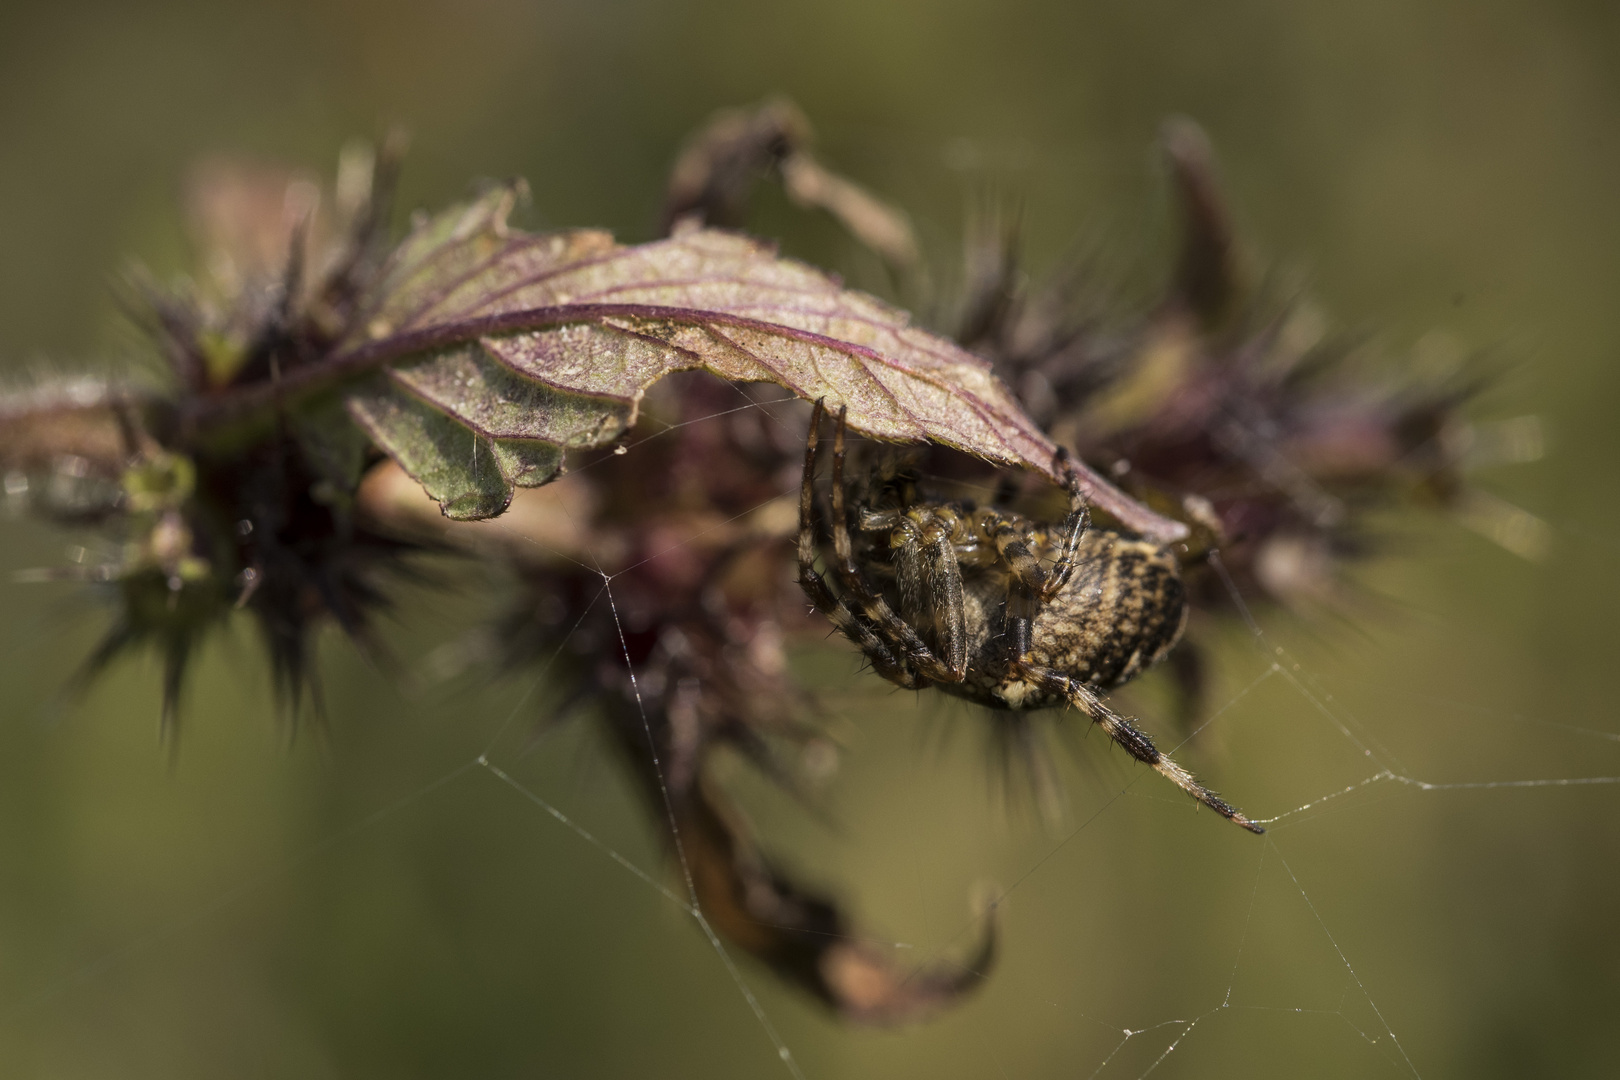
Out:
{"x": 267, "y": 906}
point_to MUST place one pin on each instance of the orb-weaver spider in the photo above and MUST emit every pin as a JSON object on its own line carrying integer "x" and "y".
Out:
{"x": 980, "y": 617}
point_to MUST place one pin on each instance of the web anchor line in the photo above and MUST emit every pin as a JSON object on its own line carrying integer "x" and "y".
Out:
{"x": 584, "y": 834}
{"x": 1386, "y": 776}
{"x": 1346, "y": 961}
{"x": 691, "y": 904}
{"x": 696, "y": 908}
{"x": 690, "y": 907}
{"x": 1390, "y": 771}
{"x": 1226, "y": 1004}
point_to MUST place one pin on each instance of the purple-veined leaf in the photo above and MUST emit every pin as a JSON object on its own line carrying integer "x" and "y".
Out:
{"x": 488, "y": 353}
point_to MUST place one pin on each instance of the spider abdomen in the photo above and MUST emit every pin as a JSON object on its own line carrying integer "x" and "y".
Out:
{"x": 991, "y": 606}
{"x": 1122, "y": 610}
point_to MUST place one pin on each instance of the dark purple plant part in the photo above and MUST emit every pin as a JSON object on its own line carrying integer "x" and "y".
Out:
{"x": 1228, "y": 408}
{"x": 259, "y": 517}
{"x": 655, "y": 589}
{"x": 805, "y": 937}
{"x": 711, "y": 684}
{"x": 719, "y": 167}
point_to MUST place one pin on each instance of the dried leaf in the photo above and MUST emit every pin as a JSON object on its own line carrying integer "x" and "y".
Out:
{"x": 720, "y": 166}
{"x": 808, "y": 939}
{"x": 869, "y": 219}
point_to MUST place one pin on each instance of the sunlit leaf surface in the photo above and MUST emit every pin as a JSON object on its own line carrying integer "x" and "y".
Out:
{"x": 500, "y": 350}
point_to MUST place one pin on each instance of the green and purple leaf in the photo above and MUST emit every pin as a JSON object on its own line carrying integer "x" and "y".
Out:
{"x": 484, "y": 354}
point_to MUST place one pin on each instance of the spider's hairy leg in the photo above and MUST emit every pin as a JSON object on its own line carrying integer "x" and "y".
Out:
{"x": 1010, "y": 535}
{"x": 930, "y": 578}
{"x": 1135, "y": 741}
{"x": 1075, "y": 526}
{"x": 815, "y": 587}
{"x": 895, "y": 629}
{"x": 1026, "y": 577}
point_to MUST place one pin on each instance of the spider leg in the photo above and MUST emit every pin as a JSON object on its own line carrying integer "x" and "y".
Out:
{"x": 930, "y": 578}
{"x": 893, "y": 627}
{"x": 1012, "y": 547}
{"x": 1132, "y": 738}
{"x": 891, "y": 667}
{"x": 1026, "y": 578}
{"x": 1074, "y": 528}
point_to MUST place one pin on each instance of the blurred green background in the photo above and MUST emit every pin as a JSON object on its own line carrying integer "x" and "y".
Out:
{"x": 1444, "y": 171}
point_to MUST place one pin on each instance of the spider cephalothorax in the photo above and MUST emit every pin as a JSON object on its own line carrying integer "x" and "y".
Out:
{"x": 953, "y": 595}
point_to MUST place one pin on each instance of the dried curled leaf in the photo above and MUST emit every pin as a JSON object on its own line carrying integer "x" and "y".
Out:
{"x": 808, "y": 939}
{"x": 495, "y": 351}
{"x": 720, "y": 166}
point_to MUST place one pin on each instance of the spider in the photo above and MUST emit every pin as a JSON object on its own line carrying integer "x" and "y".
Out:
{"x": 980, "y": 616}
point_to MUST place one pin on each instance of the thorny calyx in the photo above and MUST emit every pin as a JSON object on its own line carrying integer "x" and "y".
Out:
{"x": 318, "y": 376}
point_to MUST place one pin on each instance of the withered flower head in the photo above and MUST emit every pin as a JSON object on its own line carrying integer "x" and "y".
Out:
{"x": 259, "y": 517}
